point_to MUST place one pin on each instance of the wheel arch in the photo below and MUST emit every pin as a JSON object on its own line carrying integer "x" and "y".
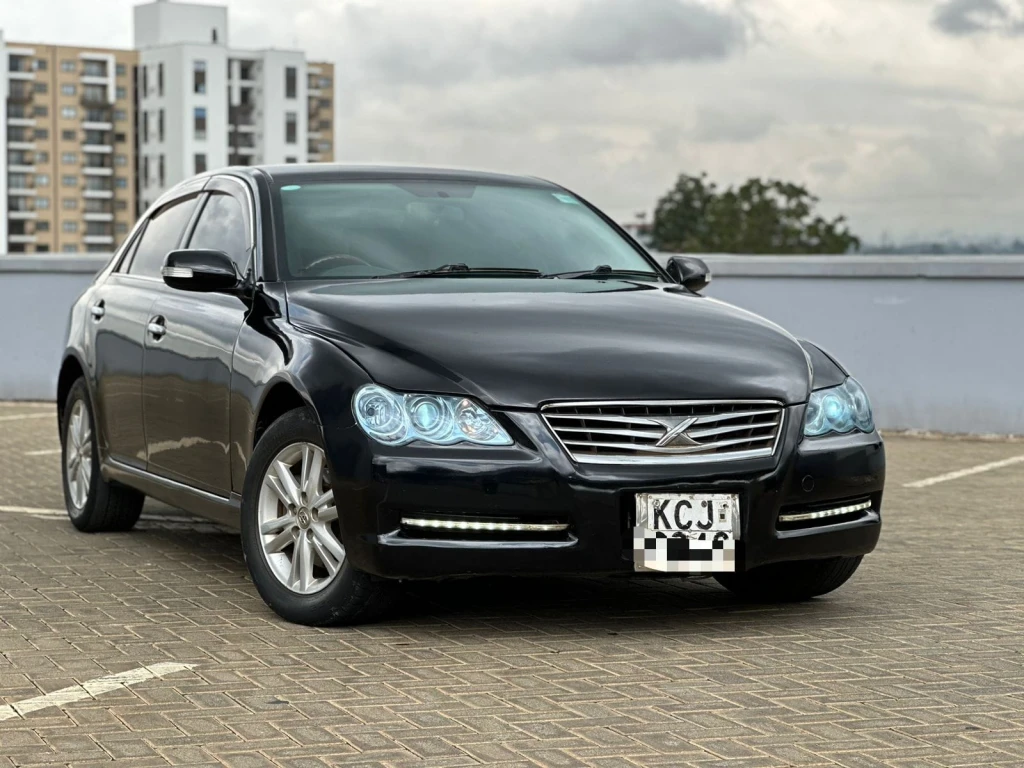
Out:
{"x": 71, "y": 369}
{"x": 280, "y": 395}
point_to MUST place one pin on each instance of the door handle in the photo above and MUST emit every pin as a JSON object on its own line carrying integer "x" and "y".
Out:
{"x": 98, "y": 310}
{"x": 156, "y": 327}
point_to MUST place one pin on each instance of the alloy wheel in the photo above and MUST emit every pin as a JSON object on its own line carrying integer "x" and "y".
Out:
{"x": 78, "y": 454}
{"x": 298, "y": 520}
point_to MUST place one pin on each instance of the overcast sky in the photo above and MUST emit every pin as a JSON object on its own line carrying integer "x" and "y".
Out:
{"x": 907, "y": 115}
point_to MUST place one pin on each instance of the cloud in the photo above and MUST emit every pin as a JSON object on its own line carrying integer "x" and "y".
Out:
{"x": 413, "y": 44}
{"x": 961, "y": 18}
{"x": 738, "y": 125}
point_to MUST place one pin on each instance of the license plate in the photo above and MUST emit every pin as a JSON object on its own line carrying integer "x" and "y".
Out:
{"x": 686, "y": 532}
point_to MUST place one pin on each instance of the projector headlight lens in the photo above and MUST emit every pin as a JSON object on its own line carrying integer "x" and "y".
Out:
{"x": 838, "y": 410}
{"x": 397, "y": 419}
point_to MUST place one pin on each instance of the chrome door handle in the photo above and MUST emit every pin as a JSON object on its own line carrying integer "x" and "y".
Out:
{"x": 156, "y": 329}
{"x": 98, "y": 310}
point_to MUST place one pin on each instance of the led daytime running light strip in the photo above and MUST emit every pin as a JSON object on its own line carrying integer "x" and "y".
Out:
{"x": 479, "y": 525}
{"x": 825, "y": 513}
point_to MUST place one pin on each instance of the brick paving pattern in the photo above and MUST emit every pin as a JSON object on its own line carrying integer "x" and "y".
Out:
{"x": 918, "y": 661}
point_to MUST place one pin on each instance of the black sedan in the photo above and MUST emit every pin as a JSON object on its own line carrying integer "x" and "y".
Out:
{"x": 381, "y": 374}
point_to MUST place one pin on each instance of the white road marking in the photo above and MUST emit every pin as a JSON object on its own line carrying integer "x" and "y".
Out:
{"x": 964, "y": 472}
{"x": 90, "y": 689}
{"x": 47, "y": 452}
{"x": 37, "y": 511}
{"x": 169, "y": 520}
{"x": 26, "y": 404}
{"x": 20, "y": 416}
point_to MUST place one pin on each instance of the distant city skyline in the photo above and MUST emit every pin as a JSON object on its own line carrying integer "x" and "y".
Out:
{"x": 905, "y": 115}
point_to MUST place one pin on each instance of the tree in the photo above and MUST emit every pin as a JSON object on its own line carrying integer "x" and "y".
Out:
{"x": 758, "y": 217}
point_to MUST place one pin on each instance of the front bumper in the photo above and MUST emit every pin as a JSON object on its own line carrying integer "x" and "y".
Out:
{"x": 535, "y": 481}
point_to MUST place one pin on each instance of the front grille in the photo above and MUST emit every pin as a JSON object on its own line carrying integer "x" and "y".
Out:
{"x": 670, "y": 432}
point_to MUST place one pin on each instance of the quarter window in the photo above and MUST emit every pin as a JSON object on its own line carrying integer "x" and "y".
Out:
{"x": 221, "y": 227}
{"x": 162, "y": 235}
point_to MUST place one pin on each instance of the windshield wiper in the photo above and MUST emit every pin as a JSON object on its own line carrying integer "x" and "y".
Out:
{"x": 462, "y": 270}
{"x": 601, "y": 272}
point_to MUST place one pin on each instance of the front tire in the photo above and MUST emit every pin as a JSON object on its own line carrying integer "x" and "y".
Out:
{"x": 93, "y": 504}
{"x": 790, "y": 582}
{"x": 291, "y": 534}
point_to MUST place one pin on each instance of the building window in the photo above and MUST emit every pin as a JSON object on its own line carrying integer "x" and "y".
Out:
{"x": 290, "y": 128}
{"x": 42, "y": 180}
{"x": 160, "y": 125}
{"x": 120, "y": 115}
{"x": 67, "y": 135}
{"x": 121, "y": 92}
{"x": 43, "y": 226}
{"x": 161, "y": 176}
{"x": 324, "y": 125}
{"x": 70, "y": 248}
{"x": 41, "y": 65}
{"x": 199, "y": 122}
{"x": 145, "y": 171}
{"x": 68, "y": 113}
{"x": 42, "y": 204}
{"x": 120, "y": 160}
{"x": 69, "y": 203}
{"x": 40, "y": 110}
{"x": 67, "y": 65}
{"x": 68, "y": 89}
{"x": 145, "y": 126}
{"x": 121, "y": 183}
{"x": 69, "y": 181}
{"x": 120, "y": 205}
{"x": 69, "y": 226}
{"x": 69, "y": 158}
{"x": 199, "y": 77}
{"x": 119, "y": 138}
{"x": 145, "y": 81}
{"x": 160, "y": 79}
{"x": 42, "y": 157}
{"x": 291, "y": 160}
{"x": 291, "y": 85}
{"x": 121, "y": 228}
{"x": 39, "y": 87}
{"x": 200, "y": 162}
{"x": 120, "y": 69}
{"x": 42, "y": 134}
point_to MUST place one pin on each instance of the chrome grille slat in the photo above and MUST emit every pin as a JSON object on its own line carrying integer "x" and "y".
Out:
{"x": 684, "y": 431}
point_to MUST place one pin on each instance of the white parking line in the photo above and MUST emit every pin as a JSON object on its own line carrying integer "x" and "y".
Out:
{"x": 90, "y": 689}
{"x": 20, "y": 416}
{"x": 47, "y": 452}
{"x": 37, "y": 511}
{"x": 964, "y": 472}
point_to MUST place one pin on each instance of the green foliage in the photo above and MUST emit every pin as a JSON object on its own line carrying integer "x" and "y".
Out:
{"x": 758, "y": 217}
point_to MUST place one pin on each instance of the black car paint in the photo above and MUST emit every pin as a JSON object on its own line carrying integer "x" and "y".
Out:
{"x": 178, "y": 417}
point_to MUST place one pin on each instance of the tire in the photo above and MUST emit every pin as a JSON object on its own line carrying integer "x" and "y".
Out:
{"x": 791, "y": 582}
{"x": 325, "y": 598}
{"x": 94, "y": 504}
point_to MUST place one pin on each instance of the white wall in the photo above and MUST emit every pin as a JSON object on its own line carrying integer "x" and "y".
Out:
{"x": 164, "y": 23}
{"x": 273, "y": 106}
{"x": 3, "y": 135}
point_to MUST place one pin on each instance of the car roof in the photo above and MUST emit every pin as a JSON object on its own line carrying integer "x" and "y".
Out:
{"x": 308, "y": 172}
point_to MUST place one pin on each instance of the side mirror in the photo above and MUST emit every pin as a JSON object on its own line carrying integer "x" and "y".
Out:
{"x": 690, "y": 272}
{"x": 200, "y": 270}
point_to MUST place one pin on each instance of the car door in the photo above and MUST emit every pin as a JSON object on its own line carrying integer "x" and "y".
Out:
{"x": 119, "y": 312}
{"x": 189, "y": 345}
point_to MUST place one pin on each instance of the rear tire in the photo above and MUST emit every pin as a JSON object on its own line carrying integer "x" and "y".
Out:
{"x": 290, "y": 533}
{"x": 790, "y": 582}
{"x": 94, "y": 504}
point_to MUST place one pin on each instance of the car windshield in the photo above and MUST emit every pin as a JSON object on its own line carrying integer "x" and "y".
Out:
{"x": 356, "y": 229}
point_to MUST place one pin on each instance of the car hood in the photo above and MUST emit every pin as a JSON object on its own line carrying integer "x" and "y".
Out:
{"x": 520, "y": 343}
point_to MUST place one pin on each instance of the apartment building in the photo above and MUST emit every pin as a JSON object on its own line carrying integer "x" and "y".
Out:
{"x": 203, "y": 104}
{"x": 94, "y": 136}
{"x": 69, "y": 126}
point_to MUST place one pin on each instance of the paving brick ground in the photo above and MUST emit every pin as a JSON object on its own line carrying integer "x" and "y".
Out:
{"x": 919, "y": 661}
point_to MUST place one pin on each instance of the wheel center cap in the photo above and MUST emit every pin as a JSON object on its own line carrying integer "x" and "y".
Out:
{"x": 304, "y": 518}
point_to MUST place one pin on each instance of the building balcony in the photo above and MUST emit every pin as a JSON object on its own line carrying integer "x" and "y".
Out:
{"x": 16, "y": 168}
{"x": 22, "y": 215}
{"x": 95, "y": 79}
{"x": 91, "y": 125}
{"x": 19, "y": 95}
{"x": 97, "y": 194}
{"x": 105, "y": 148}
{"x": 21, "y": 238}
{"x": 28, "y": 146}
{"x": 21, "y": 191}
{"x": 98, "y": 239}
{"x": 22, "y": 76}
{"x": 24, "y": 122}
{"x": 96, "y": 96}
{"x": 97, "y": 170}
{"x": 98, "y": 216}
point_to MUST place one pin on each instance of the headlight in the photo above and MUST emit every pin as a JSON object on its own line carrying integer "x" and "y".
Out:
{"x": 838, "y": 410}
{"x": 396, "y": 419}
